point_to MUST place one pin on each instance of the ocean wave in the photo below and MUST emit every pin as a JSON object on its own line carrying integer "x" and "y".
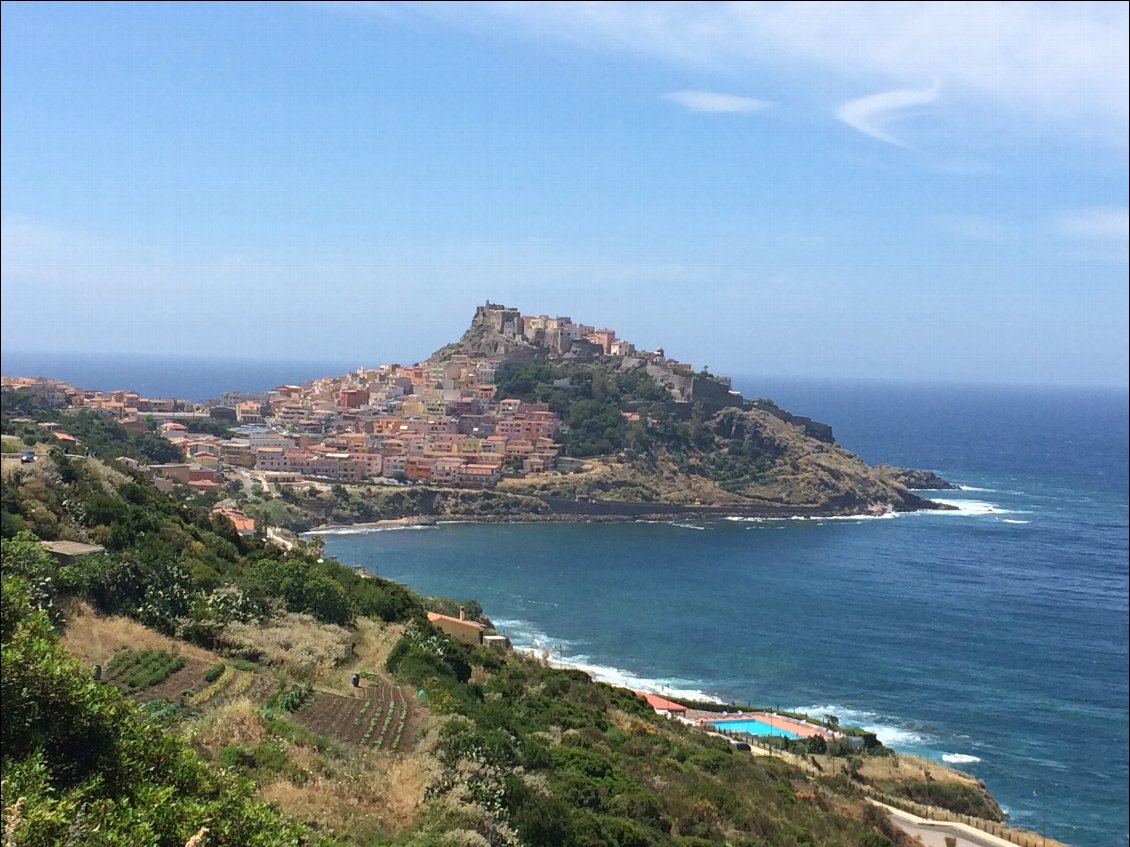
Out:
{"x": 1009, "y": 520}
{"x": 685, "y": 525}
{"x": 975, "y": 488}
{"x": 560, "y": 653}
{"x": 969, "y": 508}
{"x": 894, "y": 733}
{"x": 960, "y": 758}
{"x": 885, "y": 516}
{"x": 364, "y": 530}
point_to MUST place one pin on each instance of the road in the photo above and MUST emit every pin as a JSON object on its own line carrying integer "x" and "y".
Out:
{"x": 934, "y": 833}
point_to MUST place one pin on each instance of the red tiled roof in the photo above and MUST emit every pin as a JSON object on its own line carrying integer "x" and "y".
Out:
{"x": 660, "y": 703}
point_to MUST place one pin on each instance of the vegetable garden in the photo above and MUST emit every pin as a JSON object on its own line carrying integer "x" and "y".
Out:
{"x": 150, "y": 675}
{"x": 135, "y": 669}
{"x": 377, "y": 717}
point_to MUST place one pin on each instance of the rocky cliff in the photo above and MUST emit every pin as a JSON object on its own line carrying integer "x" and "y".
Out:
{"x": 494, "y": 331}
{"x": 810, "y": 469}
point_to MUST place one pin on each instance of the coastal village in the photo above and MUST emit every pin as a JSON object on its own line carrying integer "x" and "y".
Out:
{"x": 444, "y": 422}
{"x": 440, "y": 422}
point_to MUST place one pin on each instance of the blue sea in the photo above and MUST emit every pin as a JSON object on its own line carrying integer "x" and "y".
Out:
{"x": 196, "y": 378}
{"x": 993, "y": 638}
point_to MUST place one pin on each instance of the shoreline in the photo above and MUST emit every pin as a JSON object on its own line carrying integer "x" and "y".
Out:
{"x": 606, "y": 511}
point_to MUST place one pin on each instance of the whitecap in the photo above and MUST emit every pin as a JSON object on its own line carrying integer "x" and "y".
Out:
{"x": 672, "y": 687}
{"x": 894, "y": 733}
{"x": 968, "y": 508}
{"x": 960, "y": 758}
{"x": 559, "y": 653}
{"x": 686, "y": 525}
{"x": 1009, "y": 520}
{"x": 975, "y": 488}
{"x": 364, "y": 530}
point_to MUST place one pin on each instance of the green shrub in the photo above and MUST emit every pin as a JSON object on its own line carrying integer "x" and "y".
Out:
{"x": 215, "y": 672}
{"x": 290, "y": 699}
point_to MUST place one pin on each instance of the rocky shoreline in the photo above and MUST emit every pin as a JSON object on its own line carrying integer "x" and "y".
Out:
{"x": 564, "y": 510}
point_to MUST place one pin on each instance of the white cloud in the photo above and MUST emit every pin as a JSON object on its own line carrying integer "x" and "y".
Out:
{"x": 709, "y": 101}
{"x": 1098, "y": 233}
{"x": 979, "y": 229}
{"x": 871, "y": 114}
{"x": 1063, "y": 66}
{"x": 1099, "y": 223}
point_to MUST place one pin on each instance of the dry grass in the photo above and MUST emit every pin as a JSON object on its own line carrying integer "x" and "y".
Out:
{"x": 93, "y": 639}
{"x": 372, "y": 642}
{"x": 375, "y": 641}
{"x": 905, "y": 766}
{"x": 377, "y": 794}
{"x": 237, "y": 722}
{"x": 294, "y": 641}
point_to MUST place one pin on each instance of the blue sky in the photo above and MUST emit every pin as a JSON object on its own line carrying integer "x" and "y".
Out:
{"x": 901, "y": 191}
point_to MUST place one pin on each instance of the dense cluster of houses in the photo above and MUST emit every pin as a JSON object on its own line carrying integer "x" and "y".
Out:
{"x": 438, "y": 421}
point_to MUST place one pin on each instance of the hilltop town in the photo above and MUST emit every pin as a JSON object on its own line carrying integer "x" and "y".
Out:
{"x": 437, "y": 421}
{"x": 549, "y": 407}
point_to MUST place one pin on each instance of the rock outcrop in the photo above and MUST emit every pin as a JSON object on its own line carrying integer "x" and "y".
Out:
{"x": 809, "y": 471}
{"x": 495, "y": 331}
{"x": 917, "y": 480}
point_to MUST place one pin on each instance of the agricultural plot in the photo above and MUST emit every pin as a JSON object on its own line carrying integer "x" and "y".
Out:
{"x": 148, "y": 675}
{"x": 377, "y": 718}
{"x": 154, "y": 674}
{"x": 134, "y": 669}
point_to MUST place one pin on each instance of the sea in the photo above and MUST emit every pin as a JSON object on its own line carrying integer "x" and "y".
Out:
{"x": 992, "y": 638}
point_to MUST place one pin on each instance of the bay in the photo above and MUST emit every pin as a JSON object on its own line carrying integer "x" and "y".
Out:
{"x": 994, "y": 637}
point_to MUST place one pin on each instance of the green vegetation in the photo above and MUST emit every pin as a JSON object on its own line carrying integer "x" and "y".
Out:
{"x": 290, "y": 699}
{"x": 561, "y": 760}
{"x": 170, "y": 563}
{"x": 594, "y": 399}
{"x": 963, "y": 799}
{"x": 300, "y": 509}
{"x": 83, "y": 766}
{"x": 516, "y": 755}
{"x": 142, "y": 668}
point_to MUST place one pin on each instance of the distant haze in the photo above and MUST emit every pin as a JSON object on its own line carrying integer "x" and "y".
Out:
{"x": 925, "y": 192}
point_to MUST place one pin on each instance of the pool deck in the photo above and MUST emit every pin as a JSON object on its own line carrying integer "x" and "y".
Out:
{"x": 800, "y": 728}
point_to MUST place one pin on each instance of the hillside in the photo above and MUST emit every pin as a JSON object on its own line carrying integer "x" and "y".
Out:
{"x": 643, "y": 444}
{"x": 218, "y": 651}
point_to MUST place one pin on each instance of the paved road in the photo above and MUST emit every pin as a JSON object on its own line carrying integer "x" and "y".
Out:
{"x": 933, "y": 833}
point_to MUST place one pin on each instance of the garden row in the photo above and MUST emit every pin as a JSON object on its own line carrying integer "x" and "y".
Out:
{"x": 375, "y": 718}
{"x": 135, "y": 669}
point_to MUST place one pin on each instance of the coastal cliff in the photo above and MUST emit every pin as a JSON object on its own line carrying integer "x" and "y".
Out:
{"x": 649, "y": 429}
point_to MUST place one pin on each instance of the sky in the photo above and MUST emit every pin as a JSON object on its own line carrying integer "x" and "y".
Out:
{"x": 927, "y": 192}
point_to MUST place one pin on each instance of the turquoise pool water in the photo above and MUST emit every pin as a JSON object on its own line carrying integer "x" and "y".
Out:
{"x": 753, "y": 727}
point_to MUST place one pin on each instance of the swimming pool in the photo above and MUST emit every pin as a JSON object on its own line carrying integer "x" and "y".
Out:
{"x": 753, "y": 727}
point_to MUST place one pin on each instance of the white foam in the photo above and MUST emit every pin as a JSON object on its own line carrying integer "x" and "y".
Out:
{"x": 960, "y": 758}
{"x": 970, "y": 508}
{"x": 975, "y": 488}
{"x": 1009, "y": 520}
{"x": 890, "y": 731}
{"x": 529, "y": 639}
{"x": 364, "y": 530}
{"x": 885, "y": 516}
{"x": 686, "y": 526}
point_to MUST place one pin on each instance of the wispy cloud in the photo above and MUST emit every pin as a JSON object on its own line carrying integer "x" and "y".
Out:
{"x": 710, "y": 101}
{"x": 1098, "y": 223}
{"x": 1096, "y": 233}
{"x": 1064, "y": 66}
{"x": 871, "y": 114}
{"x": 978, "y": 228}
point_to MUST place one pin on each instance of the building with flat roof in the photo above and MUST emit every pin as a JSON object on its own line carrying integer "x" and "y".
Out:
{"x": 461, "y": 629}
{"x": 67, "y": 551}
